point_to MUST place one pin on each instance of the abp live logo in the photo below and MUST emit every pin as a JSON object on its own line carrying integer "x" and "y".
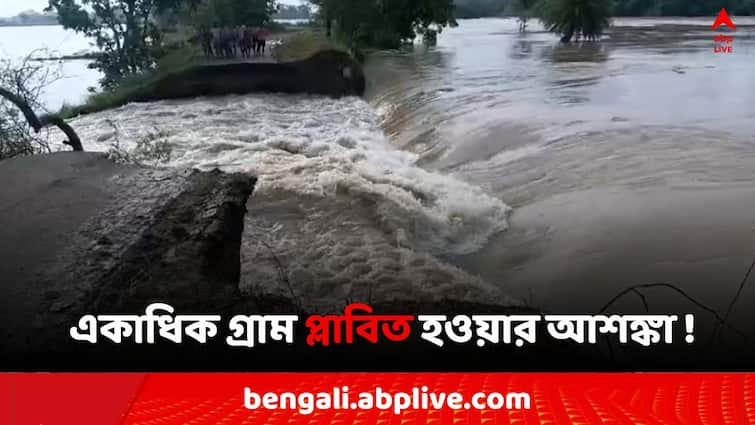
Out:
{"x": 723, "y": 43}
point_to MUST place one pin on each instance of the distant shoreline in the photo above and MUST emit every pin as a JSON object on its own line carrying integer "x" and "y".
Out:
{"x": 83, "y": 56}
{"x": 18, "y": 24}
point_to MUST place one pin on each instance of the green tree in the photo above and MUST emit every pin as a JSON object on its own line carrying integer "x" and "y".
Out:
{"x": 583, "y": 18}
{"x": 385, "y": 23}
{"x": 216, "y": 13}
{"x": 123, "y": 30}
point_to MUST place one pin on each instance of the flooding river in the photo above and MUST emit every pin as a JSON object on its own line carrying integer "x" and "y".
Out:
{"x": 488, "y": 96}
{"x": 456, "y": 165}
{"x": 588, "y": 142}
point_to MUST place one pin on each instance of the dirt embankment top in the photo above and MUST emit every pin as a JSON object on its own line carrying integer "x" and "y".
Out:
{"x": 329, "y": 73}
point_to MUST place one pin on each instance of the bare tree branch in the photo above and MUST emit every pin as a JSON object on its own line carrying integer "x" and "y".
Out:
{"x": 38, "y": 123}
{"x": 636, "y": 288}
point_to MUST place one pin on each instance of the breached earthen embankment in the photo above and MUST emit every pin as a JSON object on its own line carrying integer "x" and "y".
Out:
{"x": 328, "y": 73}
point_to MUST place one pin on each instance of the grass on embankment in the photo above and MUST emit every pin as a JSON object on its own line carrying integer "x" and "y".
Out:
{"x": 180, "y": 58}
{"x": 302, "y": 45}
{"x": 108, "y": 99}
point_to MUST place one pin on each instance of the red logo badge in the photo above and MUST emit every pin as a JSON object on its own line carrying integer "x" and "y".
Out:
{"x": 723, "y": 42}
{"x": 723, "y": 19}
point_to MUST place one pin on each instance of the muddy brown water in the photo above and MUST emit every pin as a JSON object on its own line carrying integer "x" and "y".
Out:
{"x": 625, "y": 161}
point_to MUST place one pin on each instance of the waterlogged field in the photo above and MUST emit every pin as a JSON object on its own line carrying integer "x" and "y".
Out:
{"x": 371, "y": 212}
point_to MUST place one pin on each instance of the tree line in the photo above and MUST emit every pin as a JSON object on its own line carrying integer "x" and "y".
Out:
{"x": 478, "y": 8}
{"x": 29, "y": 18}
{"x": 385, "y": 23}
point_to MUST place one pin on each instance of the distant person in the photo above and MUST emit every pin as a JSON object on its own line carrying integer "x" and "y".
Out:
{"x": 217, "y": 42}
{"x": 255, "y": 40}
{"x": 206, "y": 38}
{"x": 246, "y": 44}
{"x": 262, "y": 41}
{"x": 236, "y": 41}
{"x": 227, "y": 41}
{"x": 222, "y": 50}
{"x": 227, "y": 49}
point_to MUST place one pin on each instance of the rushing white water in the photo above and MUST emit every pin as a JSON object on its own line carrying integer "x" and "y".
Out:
{"x": 311, "y": 146}
{"x": 373, "y": 226}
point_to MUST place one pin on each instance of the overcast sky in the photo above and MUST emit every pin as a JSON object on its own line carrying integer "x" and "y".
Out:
{"x": 14, "y": 7}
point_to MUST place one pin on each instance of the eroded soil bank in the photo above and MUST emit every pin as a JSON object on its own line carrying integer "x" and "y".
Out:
{"x": 327, "y": 73}
{"x": 83, "y": 235}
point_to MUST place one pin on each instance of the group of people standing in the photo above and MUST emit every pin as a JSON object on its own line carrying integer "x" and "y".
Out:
{"x": 234, "y": 42}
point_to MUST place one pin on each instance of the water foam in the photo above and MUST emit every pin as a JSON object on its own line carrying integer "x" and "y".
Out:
{"x": 316, "y": 147}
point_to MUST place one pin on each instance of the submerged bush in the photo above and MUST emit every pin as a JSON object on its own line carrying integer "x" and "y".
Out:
{"x": 152, "y": 149}
{"x": 580, "y": 18}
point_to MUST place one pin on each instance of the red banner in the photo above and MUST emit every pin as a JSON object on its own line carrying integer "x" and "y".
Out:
{"x": 372, "y": 398}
